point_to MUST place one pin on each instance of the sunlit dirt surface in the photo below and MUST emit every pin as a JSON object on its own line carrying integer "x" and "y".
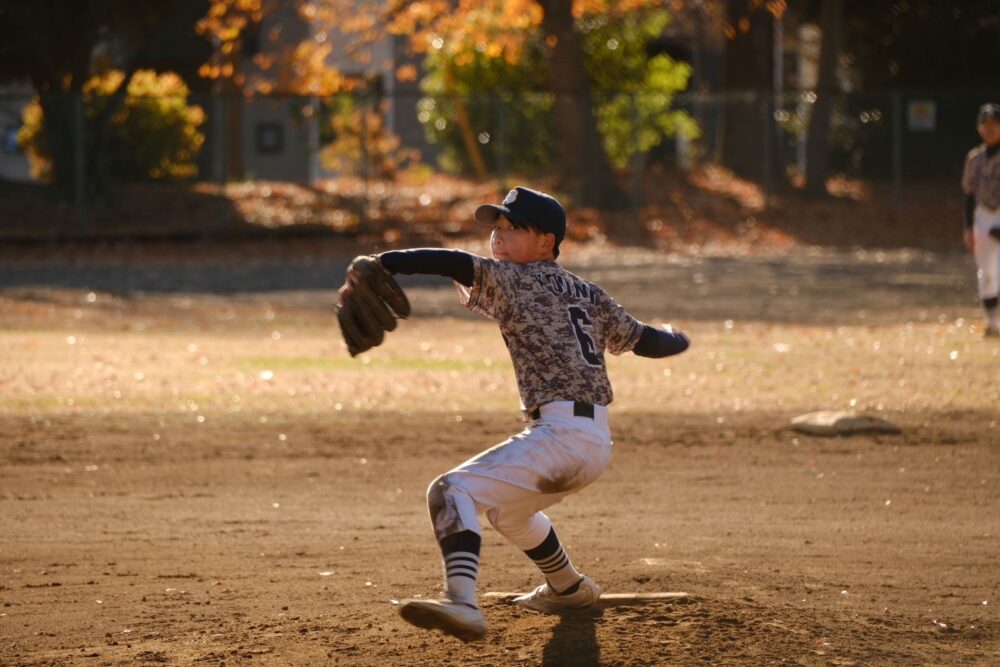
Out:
{"x": 196, "y": 474}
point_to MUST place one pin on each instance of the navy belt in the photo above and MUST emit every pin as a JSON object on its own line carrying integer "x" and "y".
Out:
{"x": 579, "y": 410}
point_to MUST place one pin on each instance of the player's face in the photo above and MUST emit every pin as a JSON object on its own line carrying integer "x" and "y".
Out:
{"x": 518, "y": 245}
{"x": 989, "y": 130}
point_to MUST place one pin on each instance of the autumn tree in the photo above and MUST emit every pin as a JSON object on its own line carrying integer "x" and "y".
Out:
{"x": 459, "y": 29}
{"x": 585, "y": 169}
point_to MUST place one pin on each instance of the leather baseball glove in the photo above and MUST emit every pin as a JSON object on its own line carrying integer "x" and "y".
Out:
{"x": 370, "y": 302}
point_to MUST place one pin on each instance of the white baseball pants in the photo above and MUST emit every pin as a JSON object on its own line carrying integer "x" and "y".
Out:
{"x": 514, "y": 481}
{"x": 987, "y": 251}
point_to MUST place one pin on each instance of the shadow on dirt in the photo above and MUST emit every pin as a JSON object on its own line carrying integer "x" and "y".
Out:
{"x": 36, "y": 215}
{"x": 808, "y": 287}
{"x": 574, "y": 641}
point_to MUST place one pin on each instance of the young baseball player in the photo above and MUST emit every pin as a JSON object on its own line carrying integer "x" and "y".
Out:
{"x": 981, "y": 183}
{"x": 556, "y": 327}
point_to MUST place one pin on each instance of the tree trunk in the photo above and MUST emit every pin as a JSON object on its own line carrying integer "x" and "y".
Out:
{"x": 584, "y": 169}
{"x": 57, "y": 111}
{"x": 749, "y": 69}
{"x": 97, "y": 163}
{"x": 817, "y": 137}
{"x": 462, "y": 119}
{"x": 57, "y": 101}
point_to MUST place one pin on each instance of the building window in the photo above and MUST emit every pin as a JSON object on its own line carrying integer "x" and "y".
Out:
{"x": 270, "y": 138}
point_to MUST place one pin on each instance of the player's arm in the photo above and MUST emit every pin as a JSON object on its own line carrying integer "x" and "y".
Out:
{"x": 970, "y": 179}
{"x": 454, "y": 264}
{"x": 658, "y": 343}
{"x": 626, "y": 333}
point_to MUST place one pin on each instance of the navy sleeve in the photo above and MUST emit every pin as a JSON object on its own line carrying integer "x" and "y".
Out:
{"x": 970, "y": 210}
{"x": 657, "y": 343}
{"x": 454, "y": 264}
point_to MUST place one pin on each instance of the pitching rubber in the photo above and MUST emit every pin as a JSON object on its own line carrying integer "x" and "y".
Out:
{"x": 610, "y": 599}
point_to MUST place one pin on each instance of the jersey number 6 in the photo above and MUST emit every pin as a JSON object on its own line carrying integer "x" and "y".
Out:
{"x": 579, "y": 318}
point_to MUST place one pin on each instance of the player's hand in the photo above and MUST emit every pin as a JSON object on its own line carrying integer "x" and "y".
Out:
{"x": 970, "y": 240}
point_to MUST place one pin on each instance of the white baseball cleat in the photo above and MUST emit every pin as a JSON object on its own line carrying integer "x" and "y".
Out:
{"x": 547, "y": 601}
{"x": 457, "y": 619}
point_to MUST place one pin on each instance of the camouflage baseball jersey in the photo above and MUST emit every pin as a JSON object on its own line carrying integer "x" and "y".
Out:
{"x": 556, "y": 327}
{"x": 981, "y": 177}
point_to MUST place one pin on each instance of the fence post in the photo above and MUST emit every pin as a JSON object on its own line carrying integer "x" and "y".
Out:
{"x": 363, "y": 218}
{"x": 219, "y": 152}
{"x": 897, "y": 147}
{"x": 768, "y": 154}
{"x": 706, "y": 141}
{"x": 636, "y": 161}
{"x": 502, "y": 143}
{"x": 218, "y": 127}
{"x": 312, "y": 126}
{"x": 79, "y": 164}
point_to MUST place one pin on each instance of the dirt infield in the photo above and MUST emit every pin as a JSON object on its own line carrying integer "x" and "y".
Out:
{"x": 199, "y": 477}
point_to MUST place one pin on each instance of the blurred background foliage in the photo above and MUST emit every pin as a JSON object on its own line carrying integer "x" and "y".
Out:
{"x": 356, "y": 141}
{"x": 154, "y": 135}
{"x": 598, "y": 100}
{"x": 507, "y": 100}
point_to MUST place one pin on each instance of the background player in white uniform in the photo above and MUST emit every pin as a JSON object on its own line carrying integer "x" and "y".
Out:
{"x": 981, "y": 183}
{"x": 556, "y": 327}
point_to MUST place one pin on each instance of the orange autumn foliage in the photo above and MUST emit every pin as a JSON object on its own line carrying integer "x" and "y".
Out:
{"x": 342, "y": 30}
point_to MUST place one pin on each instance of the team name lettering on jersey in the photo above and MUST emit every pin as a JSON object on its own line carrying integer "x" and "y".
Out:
{"x": 560, "y": 285}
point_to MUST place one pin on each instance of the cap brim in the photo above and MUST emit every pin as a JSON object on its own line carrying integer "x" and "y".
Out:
{"x": 489, "y": 213}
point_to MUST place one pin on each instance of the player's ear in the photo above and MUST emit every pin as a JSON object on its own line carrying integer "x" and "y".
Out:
{"x": 548, "y": 242}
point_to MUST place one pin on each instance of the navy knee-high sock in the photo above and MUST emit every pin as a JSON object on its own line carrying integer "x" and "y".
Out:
{"x": 551, "y": 559}
{"x": 461, "y": 565}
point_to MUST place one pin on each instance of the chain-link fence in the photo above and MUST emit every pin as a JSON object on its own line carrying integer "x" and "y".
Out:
{"x": 897, "y": 139}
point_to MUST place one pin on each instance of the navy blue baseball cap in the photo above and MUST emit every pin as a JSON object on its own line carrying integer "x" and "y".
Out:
{"x": 989, "y": 110}
{"x": 531, "y": 208}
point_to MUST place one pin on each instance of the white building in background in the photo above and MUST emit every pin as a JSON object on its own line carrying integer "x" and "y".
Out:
{"x": 277, "y": 137}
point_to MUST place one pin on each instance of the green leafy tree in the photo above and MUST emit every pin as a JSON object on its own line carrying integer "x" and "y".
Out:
{"x": 632, "y": 95}
{"x": 460, "y": 28}
{"x": 509, "y": 111}
{"x": 634, "y": 92}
